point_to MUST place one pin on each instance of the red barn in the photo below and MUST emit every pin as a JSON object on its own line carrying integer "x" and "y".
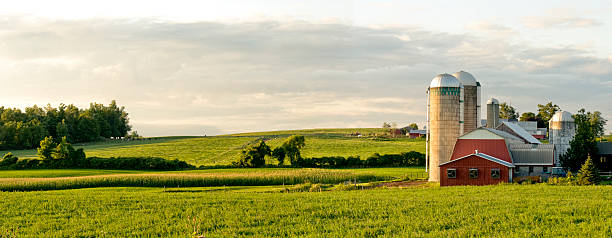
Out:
{"x": 480, "y": 157}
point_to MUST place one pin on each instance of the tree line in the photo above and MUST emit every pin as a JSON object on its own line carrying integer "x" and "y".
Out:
{"x": 25, "y": 129}
{"x": 255, "y": 155}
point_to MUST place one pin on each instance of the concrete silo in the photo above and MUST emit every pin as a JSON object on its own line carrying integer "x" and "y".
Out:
{"x": 492, "y": 113}
{"x": 471, "y": 105}
{"x": 562, "y": 131}
{"x": 443, "y": 121}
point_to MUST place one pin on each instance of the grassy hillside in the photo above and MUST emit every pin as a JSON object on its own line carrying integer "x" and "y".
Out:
{"x": 222, "y": 150}
{"x": 492, "y": 211}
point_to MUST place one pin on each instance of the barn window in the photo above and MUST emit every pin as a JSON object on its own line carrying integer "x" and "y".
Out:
{"x": 451, "y": 173}
{"x": 545, "y": 169}
{"x": 495, "y": 173}
{"x": 474, "y": 173}
{"x": 530, "y": 169}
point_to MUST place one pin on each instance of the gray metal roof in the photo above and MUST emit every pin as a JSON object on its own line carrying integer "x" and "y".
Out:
{"x": 444, "y": 80}
{"x": 521, "y": 132}
{"x": 503, "y": 134}
{"x": 484, "y": 156}
{"x": 604, "y": 148}
{"x": 532, "y": 154}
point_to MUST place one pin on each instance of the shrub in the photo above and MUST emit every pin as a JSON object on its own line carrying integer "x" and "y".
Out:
{"x": 588, "y": 174}
{"x": 8, "y": 159}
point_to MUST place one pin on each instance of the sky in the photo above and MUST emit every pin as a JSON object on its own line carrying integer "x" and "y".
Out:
{"x": 218, "y": 67}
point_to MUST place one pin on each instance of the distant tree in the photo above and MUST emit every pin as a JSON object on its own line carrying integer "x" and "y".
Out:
{"x": 528, "y": 116}
{"x": 254, "y": 155}
{"x": 546, "y": 112}
{"x": 133, "y": 135}
{"x": 62, "y": 129}
{"x": 61, "y": 150}
{"x": 290, "y": 148}
{"x": 507, "y": 112}
{"x": 414, "y": 126}
{"x": 588, "y": 174}
{"x": 588, "y": 127}
{"x": 46, "y": 149}
{"x": 386, "y": 125}
{"x": 279, "y": 154}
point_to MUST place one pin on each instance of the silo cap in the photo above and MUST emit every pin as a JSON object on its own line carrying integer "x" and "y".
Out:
{"x": 444, "y": 81}
{"x": 562, "y": 116}
{"x": 492, "y": 101}
{"x": 465, "y": 78}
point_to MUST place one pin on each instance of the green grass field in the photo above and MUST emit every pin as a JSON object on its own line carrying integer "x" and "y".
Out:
{"x": 222, "y": 150}
{"x": 491, "y": 211}
{"x": 36, "y": 180}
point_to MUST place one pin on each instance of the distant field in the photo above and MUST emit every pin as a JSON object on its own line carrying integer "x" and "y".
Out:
{"x": 222, "y": 150}
{"x": 491, "y": 211}
{"x": 57, "y": 179}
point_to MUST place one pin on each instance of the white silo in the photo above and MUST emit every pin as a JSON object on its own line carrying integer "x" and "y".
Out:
{"x": 562, "y": 131}
{"x": 443, "y": 121}
{"x": 492, "y": 113}
{"x": 471, "y": 105}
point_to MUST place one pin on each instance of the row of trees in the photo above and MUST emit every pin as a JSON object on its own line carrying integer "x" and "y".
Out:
{"x": 24, "y": 129}
{"x": 544, "y": 114}
{"x": 255, "y": 156}
{"x": 63, "y": 155}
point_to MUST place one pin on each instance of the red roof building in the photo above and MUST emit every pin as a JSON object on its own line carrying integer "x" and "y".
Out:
{"x": 487, "y": 156}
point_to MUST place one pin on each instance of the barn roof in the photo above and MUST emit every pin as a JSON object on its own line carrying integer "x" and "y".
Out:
{"x": 484, "y": 133}
{"x": 493, "y": 147}
{"x": 520, "y": 132}
{"x": 484, "y": 156}
{"x": 532, "y": 154}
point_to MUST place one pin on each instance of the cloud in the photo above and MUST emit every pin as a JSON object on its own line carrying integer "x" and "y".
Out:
{"x": 186, "y": 78}
{"x": 559, "y": 22}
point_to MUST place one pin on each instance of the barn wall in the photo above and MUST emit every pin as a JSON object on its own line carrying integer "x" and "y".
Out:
{"x": 495, "y": 148}
{"x": 484, "y": 172}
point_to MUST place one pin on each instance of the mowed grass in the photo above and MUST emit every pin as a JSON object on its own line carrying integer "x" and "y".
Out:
{"x": 490, "y": 211}
{"x": 26, "y": 180}
{"x": 222, "y": 150}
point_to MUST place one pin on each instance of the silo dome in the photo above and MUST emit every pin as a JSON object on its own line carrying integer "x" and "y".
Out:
{"x": 465, "y": 78}
{"x": 562, "y": 116}
{"x": 444, "y": 81}
{"x": 492, "y": 101}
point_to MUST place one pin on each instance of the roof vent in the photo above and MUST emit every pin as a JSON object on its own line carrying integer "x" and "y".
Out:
{"x": 475, "y": 151}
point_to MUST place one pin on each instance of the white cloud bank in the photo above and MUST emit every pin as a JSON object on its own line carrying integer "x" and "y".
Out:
{"x": 210, "y": 77}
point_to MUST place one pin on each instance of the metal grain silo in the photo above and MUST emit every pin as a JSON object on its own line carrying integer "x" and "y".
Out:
{"x": 471, "y": 105}
{"x": 443, "y": 121}
{"x": 562, "y": 131}
{"x": 492, "y": 113}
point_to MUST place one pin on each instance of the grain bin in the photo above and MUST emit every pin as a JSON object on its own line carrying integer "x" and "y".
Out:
{"x": 492, "y": 113}
{"x": 471, "y": 105}
{"x": 562, "y": 131}
{"x": 443, "y": 121}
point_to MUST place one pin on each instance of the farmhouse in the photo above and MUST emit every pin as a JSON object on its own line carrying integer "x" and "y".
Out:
{"x": 461, "y": 151}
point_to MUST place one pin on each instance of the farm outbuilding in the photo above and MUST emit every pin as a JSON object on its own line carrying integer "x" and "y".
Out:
{"x": 488, "y": 156}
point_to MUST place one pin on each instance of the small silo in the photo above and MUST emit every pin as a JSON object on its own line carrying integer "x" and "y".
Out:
{"x": 562, "y": 131}
{"x": 443, "y": 121}
{"x": 471, "y": 104}
{"x": 492, "y": 113}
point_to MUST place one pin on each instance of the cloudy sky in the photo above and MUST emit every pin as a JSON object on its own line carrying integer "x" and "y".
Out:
{"x": 216, "y": 67}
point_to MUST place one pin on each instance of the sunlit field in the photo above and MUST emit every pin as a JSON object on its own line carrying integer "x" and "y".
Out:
{"x": 222, "y": 150}
{"x": 491, "y": 211}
